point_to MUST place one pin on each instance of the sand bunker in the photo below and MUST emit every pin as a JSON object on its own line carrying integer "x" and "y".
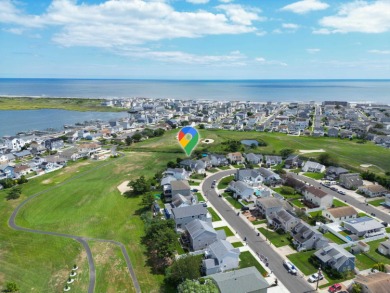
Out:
{"x": 207, "y": 141}
{"x": 123, "y": 187}
{"x": 311, "y": 151}
{"x": 365, "y": 165}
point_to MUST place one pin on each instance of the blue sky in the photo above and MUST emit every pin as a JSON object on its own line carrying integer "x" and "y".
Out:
{"x": 195, "y": 39}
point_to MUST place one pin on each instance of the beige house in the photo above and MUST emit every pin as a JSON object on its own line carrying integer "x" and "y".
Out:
{"x": 235, "y": 157}
{"x": 373, "y": 190}
{"x": 340, "y": 213}
{"x": 373, "y": 283}
{"x": 318, "y": 197}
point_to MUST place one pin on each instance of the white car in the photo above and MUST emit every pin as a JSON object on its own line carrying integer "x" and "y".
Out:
{"x": 313, "y": 278}
{"x": 290, "y": 267}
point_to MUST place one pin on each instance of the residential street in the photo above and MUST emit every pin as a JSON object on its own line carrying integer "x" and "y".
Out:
{"x": 258, "y": 244}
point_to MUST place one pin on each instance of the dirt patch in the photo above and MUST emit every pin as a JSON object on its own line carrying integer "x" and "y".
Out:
{"x": 123, "y": 187}
{"x": 207, "y": 141}
{"x": 311, "y": 151}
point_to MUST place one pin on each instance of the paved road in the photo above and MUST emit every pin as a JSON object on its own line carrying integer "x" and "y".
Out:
{"x": 258, "y": 244}
{"x": 349, "y": 199}
{"x": 82, "y": 240}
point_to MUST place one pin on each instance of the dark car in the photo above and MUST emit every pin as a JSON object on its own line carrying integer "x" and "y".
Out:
{"x": 195, "y": 190}
{"x": 245, "y": 208}
{"x": 385, "y": 224}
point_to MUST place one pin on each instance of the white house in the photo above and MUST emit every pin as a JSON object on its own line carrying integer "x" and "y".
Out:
{"x": 318, "y": 197}
{"x": 340, "y": 213}
{"x": 250, "y": 176}
{"x": 313, "y": 167}
{"x": 241, "y": 189}
{"x": 364, "y": 226}
{"x": 373, "y": 190}
{"x": 220, "y": 256}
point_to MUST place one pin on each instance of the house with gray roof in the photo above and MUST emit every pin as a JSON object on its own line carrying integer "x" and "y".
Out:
{"x": 173, "y": 187}
{"x": 250, "y": 176}
{"x": 272, "y": 160}
{"x": 269, "y": 176}
{"x": 220, "y": 256}
{"x": 364, "y": 226}
{"x": 333, "y": 173}
{"x": 196, "y": 166}
{"x": 268, "y": 206}
{"x": 351, "y": 181}
{"x": 306, "y": 237}
{"x": 241, "y": 281}
{"x": 284, "y": 220}
{"x": 336, "y": 257}
{"x": 241, "y": 190}
{"x": 218, "y": 160}
{"x": 201, "y": 234}
{"x": 177, "y": 173}
{"x": 184, "y": 215}
{"x": 254, "y": 158}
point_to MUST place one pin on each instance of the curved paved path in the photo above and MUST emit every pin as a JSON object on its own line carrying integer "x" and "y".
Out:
{"x": 81, "y": 239}
{"x": 256, "y": 243}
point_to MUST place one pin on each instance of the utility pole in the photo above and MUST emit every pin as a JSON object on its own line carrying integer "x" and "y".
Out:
{"x": 318, "y": 279}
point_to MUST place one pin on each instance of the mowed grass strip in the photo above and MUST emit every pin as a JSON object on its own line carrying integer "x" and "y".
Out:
{"x": 377, "y": 202}
{"x": 214, "y": 215}
{"x": 225, "y": 182}
{"x": 313, "y": 175}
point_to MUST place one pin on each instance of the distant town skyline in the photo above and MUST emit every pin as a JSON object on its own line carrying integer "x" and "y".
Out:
{"x": 195, "y": 39}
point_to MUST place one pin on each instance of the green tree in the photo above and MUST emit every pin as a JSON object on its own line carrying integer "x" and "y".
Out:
{"x": 171, "y": 164}
{"x": 128, "y": 140}
{"x": 22, "y": 180}
{"x": 140, "y": 185}
{"x": 201, "y": 126}
{"x": 137, "y": 137}
{"x": 190, "y": 286}
{"x": 159, "y": 132}
{"x": 286, "y": 152}
{"x": 7, "y": 183}
{"x": 148, "y": 200}
{"x": 11, "y": 287}
{"x": 187, "y": 267}
{"x": 114, "y": 135}
{"x": 14, "y": 193}
{"x": 184, "y": 123}
{"x": 356, "y": 288}
{"x": 249, "y": 114}
{"x": 327, "y": 160}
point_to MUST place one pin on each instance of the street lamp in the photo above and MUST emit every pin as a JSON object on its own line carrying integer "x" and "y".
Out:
{"x": 318, "y": 279}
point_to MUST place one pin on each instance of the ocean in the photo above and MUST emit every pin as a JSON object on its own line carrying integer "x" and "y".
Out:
{"x": 245, "y": 90}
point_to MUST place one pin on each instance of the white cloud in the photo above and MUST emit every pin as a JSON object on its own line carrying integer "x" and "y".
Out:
{"x": 14, "y": 30}
{"x": 235, "y": 58}
{"x": 290, "y": 26}
{"x": 322, "y": 31}
{"x": 269, "y": 62}
{"x": 241, "y": 15}
{"x": 197, "y": 1}
{"x": 360, "y": 16}
{"x": 305, "y": 6}
{"x": 313, "y": 50}
{"x": 383, "y": 52}
{"x": 121, "y": 23}
{"x": 226, "y": 1}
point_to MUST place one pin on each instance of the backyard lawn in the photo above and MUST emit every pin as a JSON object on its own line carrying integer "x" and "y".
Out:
{"x": 316, "y": 176}
{"x": 363, "y": 262}
{"x": 276, "y": 239}
{"x": 257, "y": 222}
{"x": 214, "y": 215}
{"x": 334, "y": 238}
{"x": 297, "y": 203}
{"x": 374, "y": 253}
{"x": 227, "y": 230}
{"x": 248, "y": 260}
{"x": 377, "y": 202}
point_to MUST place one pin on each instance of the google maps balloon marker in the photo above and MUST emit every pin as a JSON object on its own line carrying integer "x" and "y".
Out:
{"x": 188, "y": 138}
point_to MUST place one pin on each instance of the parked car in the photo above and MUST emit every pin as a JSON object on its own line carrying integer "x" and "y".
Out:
{"x": 333, "y": 188}
{"x": 313, "y": 278}
{"x": 213, "y": 183}
{"x": 341, "y": 192}
{"x": 334, "y": 288}
{"x": 203, "y": 203}
{"x": 290, "y": 267}
{"x": 385, "y": 224}
{"x": 195, "y": 190}
{"x": 245, "y": 208}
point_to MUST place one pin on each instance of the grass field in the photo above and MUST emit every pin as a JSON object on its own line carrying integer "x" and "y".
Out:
{"x": 214, "y": 215}
{"x": 227, "y": 230}
{"x": 248, "y": 260}
{"x": 276, "y": 239}
{"x": 316, "y": 176}
{"x": 377, "y": 202}
{"x": 73, "y": 104}
{"x": 334, "y": 238}
{"x": 297, "y": 203}
{"x": 349, "y": 153}
{"x": 89, "y": 205}
{"x": 363, "y": 262}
